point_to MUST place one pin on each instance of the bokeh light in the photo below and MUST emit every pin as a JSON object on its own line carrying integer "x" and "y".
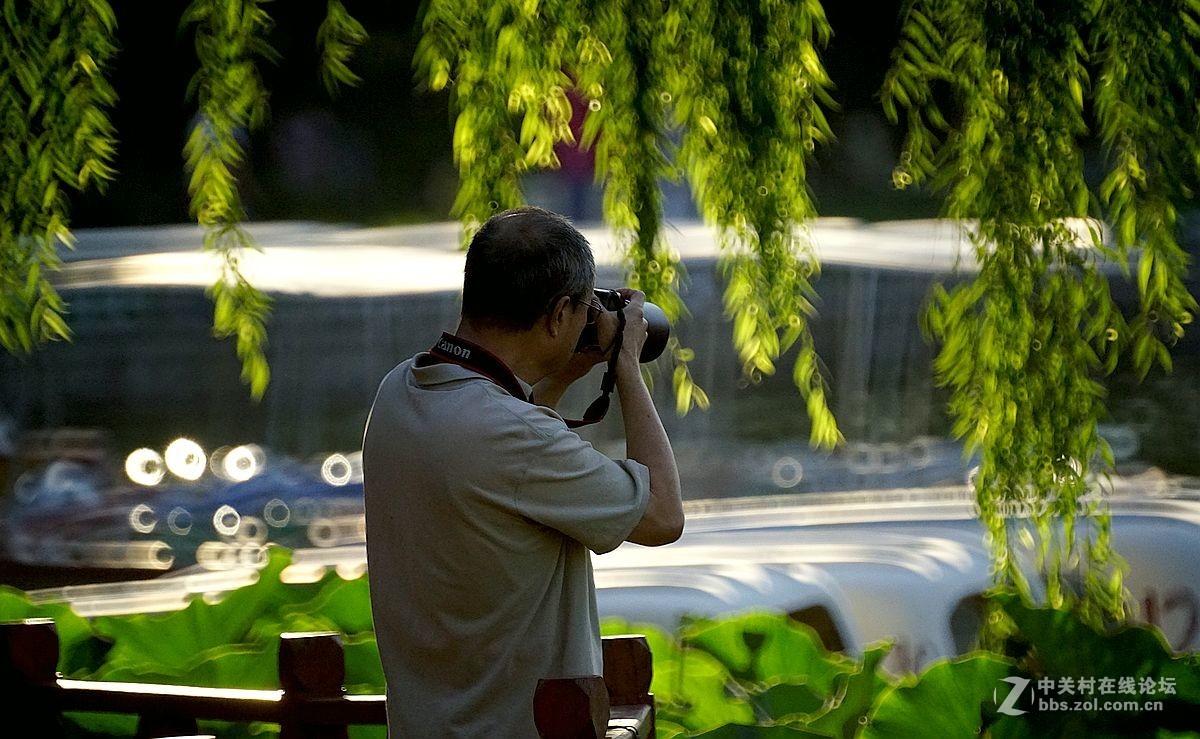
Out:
{"x": 787, "y": 472}
{"x": 142, "y": 518}
{"x": 336, "y": 470}
{"x": 179, "y": 521}
{"x": 243, "y": 462}
{"x": 276, "y": 513}
{"x": 185, "y": 459}
{"x": 145, "y": 467}
{"x": 226, "y": 520}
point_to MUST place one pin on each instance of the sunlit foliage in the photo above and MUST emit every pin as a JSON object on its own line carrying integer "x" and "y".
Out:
{"x": 55, "y": 99}
{"x": 998, "y": 99}
{"x": 1147, "y": 110}
{"x": 232, "y": 102}
{"x": 508, "y": 66}
{"x": 339, "y": 35}
{"x": 626, "y": 50}
{"x": 230, "y": 40}
{"x": 57, "y": 137}
{"x": 750, "y": 98}
{"x": 727, "y": 94}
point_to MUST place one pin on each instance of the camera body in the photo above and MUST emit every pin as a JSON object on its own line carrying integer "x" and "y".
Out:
{"x": 657, "y": 332}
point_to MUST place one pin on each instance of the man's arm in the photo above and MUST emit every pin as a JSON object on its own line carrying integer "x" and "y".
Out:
{"x": 645, "y": 438}
{"x": 550, "y": 389}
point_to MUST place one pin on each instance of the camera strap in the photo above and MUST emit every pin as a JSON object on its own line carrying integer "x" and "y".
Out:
{"x": 455, "y": 350}
{"x": 599, "y": 406}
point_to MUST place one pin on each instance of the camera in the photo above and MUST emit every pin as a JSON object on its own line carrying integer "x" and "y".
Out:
{"x": 658, "y": 329}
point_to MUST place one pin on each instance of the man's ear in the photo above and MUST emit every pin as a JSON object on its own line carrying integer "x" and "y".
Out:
{"x": 559, "y": 316}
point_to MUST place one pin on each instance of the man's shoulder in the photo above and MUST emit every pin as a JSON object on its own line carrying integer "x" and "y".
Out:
{"x": 501, "y": 406}
{"x": 468, "y": 398}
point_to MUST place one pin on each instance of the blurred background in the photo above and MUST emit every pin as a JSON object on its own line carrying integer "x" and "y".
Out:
{"x": 135, "y": 450}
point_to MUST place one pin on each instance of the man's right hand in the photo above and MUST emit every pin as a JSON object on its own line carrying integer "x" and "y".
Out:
{"x": 636, "y": 326}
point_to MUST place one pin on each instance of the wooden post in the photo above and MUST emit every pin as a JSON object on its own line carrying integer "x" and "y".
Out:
{"x": 311, "y": 666}
{"x": 628, "y": 671}
{"x": 28, "y": 670}
{"x": 591, "y": 707}
{"x": 571, "y": 708}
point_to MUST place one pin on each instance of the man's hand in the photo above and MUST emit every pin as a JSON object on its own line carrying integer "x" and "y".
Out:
{"x": 635, "y": 327}
{"x": 550, "y": 389}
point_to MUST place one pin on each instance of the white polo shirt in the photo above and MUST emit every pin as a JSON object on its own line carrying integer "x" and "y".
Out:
{"x": 481, "y": 509}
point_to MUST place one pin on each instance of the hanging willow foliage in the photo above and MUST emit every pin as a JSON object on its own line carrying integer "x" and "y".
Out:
{"x": 338, "y": 37}
{"x": 623, "y": 68}
{"x": 994, "y": 98}
{"x": 1148, "y": 115}
{"x": 232, "y": 101}
{"x": 750, "y": 97}
{"x": 509, "y": 70}
{"x": 743, "y": 83}
{"x": 57, "y": 137}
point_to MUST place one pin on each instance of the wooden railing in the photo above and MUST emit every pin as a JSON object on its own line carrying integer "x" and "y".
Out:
{"x": 311, "y": 702}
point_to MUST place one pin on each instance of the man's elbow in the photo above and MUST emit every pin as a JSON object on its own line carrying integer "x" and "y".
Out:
{"x": 660, "y": 532}
{"x": 673, "y": 531}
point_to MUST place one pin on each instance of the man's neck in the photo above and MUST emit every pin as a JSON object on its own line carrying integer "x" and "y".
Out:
{"x": 514, "y": 348}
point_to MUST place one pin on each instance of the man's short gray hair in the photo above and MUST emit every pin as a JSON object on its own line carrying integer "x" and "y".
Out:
{"x": 520, "y": 263}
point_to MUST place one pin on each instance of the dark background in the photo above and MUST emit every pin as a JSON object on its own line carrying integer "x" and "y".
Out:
{"x": 380, "y": 153}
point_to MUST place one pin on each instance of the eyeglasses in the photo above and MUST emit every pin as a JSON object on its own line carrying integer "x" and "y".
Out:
{"x": 594, "y": 309}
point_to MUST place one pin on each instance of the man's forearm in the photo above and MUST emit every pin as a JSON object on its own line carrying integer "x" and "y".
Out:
{"x": 646, "y": 442}
{"x": 549, "y": 390}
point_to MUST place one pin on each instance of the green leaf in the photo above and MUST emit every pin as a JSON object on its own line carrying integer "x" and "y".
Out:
{"x": 689, "y": 685}
{"x": 847, "y": 711}
{"x": 749, "y": 731}
{"x": 1145, "y": 267}
{"x": 104, "y": 724}
{"x": 346, "y": 604}
{"x": 951, "y": 699}
{"x": 364, "y": 671}
{"x": 54, "y": 326}
{"x": 250, "y": 666}
{"x": 169, "y": 643}
{"x": 781, "y": 701}
{"x": 768, "y": 646}
{"x": 1129, "y": 651}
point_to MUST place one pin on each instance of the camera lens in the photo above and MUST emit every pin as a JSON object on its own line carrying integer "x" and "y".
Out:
{"x": 658, "y": 329}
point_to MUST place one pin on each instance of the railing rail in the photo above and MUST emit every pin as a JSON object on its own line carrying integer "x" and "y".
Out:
{"x": 312, "y": 702}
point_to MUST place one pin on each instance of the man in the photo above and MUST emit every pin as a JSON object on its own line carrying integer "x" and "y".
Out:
{"x": 482, "y": 504}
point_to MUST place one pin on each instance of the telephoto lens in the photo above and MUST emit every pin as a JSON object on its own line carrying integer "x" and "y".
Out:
{"x": 658, "y": 328}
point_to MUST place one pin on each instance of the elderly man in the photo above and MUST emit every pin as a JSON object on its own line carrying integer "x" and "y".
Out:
{"x": 482, "y": 503}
